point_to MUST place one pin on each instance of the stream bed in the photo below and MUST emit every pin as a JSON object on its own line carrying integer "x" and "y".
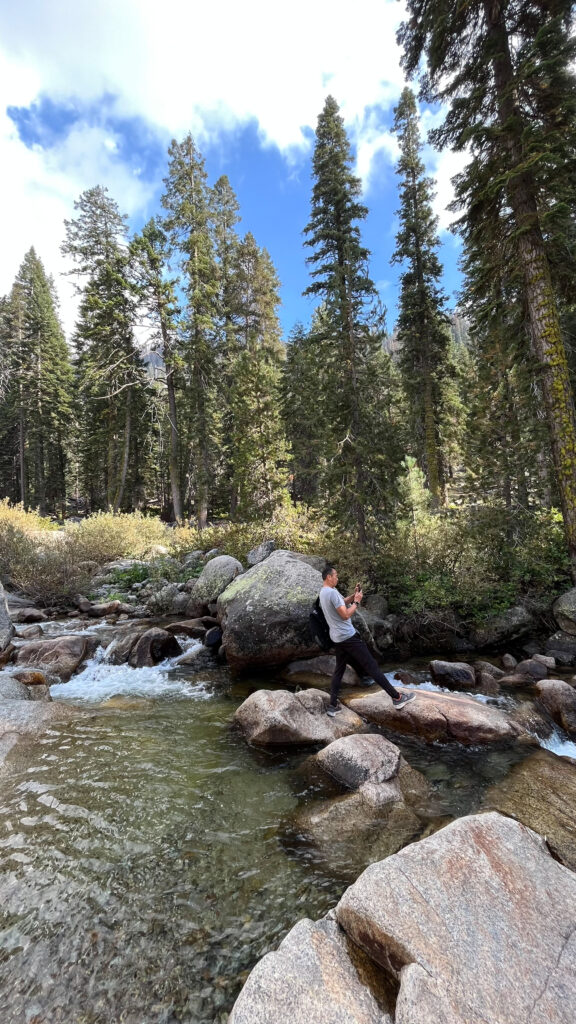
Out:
{"x": 144, "y": 867}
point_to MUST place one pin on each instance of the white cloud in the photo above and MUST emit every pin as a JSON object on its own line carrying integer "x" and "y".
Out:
{"x": 179, "y": 66}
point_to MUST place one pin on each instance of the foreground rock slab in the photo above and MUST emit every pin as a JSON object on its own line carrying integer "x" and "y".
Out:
{"x": 477, "y": 923}
{"x": 271, "y": 718}
{"x": 541, "y": 793}
{"x": 312, "y": 979}
{"x": 439, "y": 717}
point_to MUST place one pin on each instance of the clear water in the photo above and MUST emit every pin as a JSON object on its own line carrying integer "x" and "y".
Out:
{"x": 143, "y": 853}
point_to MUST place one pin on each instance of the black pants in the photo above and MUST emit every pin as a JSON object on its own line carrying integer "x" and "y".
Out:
{"x": 355, "y": 652}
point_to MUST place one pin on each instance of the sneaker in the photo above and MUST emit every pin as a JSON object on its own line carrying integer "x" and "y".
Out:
{"x": 403, "y": 699}
{"x": 331, "y": 710}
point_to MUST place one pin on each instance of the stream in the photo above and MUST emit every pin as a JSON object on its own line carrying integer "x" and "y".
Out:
{"x": 145, "y": 865}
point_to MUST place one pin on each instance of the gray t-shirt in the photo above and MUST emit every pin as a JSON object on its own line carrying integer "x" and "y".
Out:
{"x": 340, "y": 629}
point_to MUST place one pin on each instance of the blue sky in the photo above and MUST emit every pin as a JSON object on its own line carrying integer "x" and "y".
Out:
{"x": 93, "y": 93}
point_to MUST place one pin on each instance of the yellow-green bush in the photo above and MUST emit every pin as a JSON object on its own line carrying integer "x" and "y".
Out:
{"x": 105, "y": 536}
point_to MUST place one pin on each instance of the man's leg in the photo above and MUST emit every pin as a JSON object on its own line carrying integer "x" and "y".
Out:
{"x": 357, "y": 651}
{"x": 338, "y": 673}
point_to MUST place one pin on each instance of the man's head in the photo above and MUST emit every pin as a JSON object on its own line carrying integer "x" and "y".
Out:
{"x": 330, "y": 575}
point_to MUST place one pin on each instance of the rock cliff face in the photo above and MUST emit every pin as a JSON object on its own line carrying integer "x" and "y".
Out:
{"x": 473, "y": 925}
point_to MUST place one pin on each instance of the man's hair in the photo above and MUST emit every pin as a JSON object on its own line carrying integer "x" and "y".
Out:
{"x": 327, "y": 570}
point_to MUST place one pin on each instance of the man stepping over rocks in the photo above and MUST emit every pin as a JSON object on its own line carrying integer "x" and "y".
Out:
{"x": 349, "y": 647}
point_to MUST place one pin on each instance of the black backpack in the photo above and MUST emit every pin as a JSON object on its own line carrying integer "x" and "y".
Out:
{"x": 319, "y": 626}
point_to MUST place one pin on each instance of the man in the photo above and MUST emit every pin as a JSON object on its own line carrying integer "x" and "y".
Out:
{"x": 349, "y": 646}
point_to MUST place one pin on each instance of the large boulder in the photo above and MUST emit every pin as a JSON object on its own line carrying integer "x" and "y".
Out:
{"x": 270, "y": 718}
{"x": 564, "y": 611}
{"x": 313, "y": 979}
{"x": 477, "y": 924}
{"x": 508, "y": 625}
{"x": 216, "y": 575}
{"x": 559, "y": 699}
{"x": 6, "y": 627}
{"x": 439, "y": 717}
{"x": 264, "y": 613}
{"x": 61, "y": 655}
{"x": 541, "y": 793}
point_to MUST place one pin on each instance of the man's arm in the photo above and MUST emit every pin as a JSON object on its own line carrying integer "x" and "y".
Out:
{"x": 346, "y": 610}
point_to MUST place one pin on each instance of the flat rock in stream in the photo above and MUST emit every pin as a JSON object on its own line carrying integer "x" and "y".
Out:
{"x": 22, "y": 720}
{"x": 541, "y": 793}
{"x": 152, "y": 647}
{"x": 312, "y": 979}
{"x": 439, "y": 717}
{"x": 477, "y": 923}
{"x": 62, "y": 655}
{"x": 318, "y": 672}
{"x": 279, "y": 718}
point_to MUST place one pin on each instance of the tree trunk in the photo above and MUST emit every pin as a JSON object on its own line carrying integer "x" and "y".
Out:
{"x": 126, "y": 454}
{"x": 545, "y": 330}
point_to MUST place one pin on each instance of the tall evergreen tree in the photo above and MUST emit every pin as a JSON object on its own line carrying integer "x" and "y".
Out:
{"x": 186, "y": 200}
{"x": 505, "y": 68}
{"x": 38, "y": 390}
{"x": 422, "y": 322}
{"x": 304, "y": 389}
{"x": 156, "y": 295}
{"x": 351, "y": 332}
{"x": 111, "y": 379}
{"x": 257, "y": 445}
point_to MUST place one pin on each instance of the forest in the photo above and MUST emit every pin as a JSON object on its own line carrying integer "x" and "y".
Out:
{"x": 440, "y": 460}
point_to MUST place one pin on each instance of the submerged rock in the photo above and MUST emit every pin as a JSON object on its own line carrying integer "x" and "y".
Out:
{"x": 377, "y": 818}
{"x": 278, "y": 718}
{"x": 27, "y": 719}
{"x": 440, "y": 717}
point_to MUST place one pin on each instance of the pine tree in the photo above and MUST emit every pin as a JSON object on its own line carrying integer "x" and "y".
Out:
{"x": 156, "y": 295}
{"x": 38, "y": 388}
{"x": 422, "y": 321}
{"x": 257, "y": 445}
{"x": 186, "y": 200}
{"x": 224, "y": 217}
{"x": 506, "y": 70}
{"x": 111, "y": 381}
{"x": 304, "y": 388}
{"x": 351, "y": 334}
